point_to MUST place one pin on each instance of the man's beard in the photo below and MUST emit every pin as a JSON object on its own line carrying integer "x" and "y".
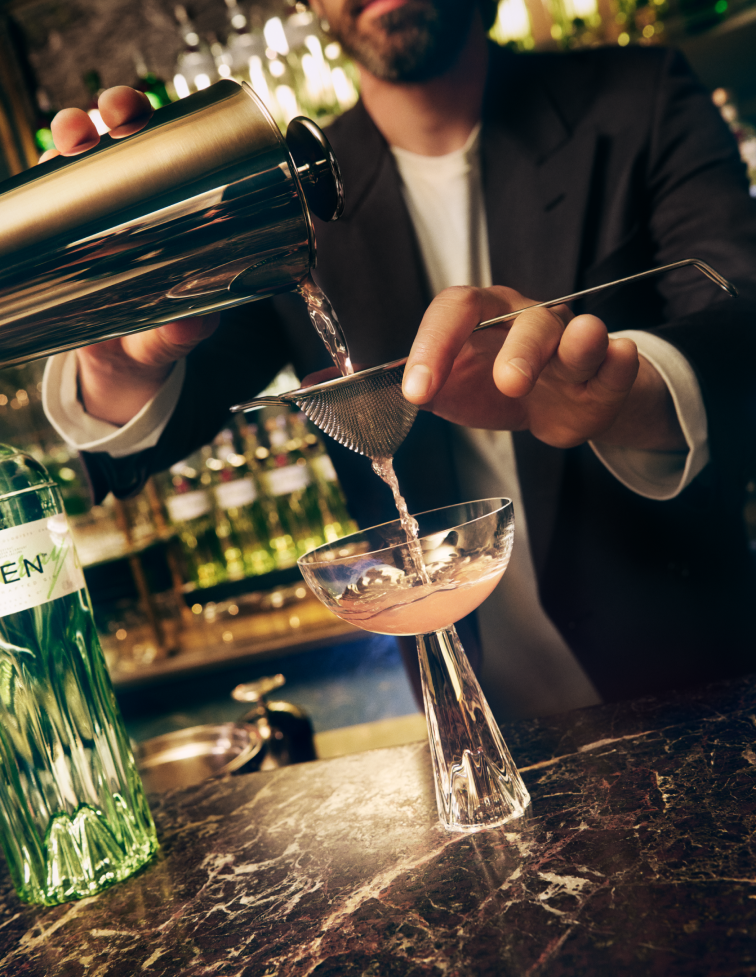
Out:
{"x": 413, "y": 43}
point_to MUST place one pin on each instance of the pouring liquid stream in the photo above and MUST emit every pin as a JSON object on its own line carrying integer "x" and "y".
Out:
{"x": 384, "y": 468}
{"x": 326, "y": 324}
{"x": 329, "y": 329}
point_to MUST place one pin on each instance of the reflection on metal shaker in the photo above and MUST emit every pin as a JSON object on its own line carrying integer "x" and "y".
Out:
{"x": 206, "y": 208}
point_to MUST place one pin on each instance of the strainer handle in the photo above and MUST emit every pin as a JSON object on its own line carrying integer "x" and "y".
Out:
{"x": 257, "y": 403}
{"x": 695, "y": 262}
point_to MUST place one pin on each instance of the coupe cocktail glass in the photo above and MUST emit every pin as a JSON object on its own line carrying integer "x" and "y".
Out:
{"x": 383, "y": 582}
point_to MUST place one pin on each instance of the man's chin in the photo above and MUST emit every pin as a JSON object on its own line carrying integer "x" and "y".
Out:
{"x": 406, "y": 40}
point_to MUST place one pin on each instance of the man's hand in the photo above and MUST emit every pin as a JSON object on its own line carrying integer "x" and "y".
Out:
{"x": 558, "y": 375}
{"x": 118, "y": 377}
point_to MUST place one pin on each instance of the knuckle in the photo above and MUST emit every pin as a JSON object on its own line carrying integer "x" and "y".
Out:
{"x": 462, "y": 298}
{"x": 525, "y": 346}
{"x": 512, "y": 298}
{"x": 530, "y": 341}
{"x": 550, "y": 318}
{"x": 561, "y": 313}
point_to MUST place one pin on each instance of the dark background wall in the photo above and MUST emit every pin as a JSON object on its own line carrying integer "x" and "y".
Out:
{"x": 726, "y": 57}
{"x": 51, "y": 44}
{"x": 63, "y": 39}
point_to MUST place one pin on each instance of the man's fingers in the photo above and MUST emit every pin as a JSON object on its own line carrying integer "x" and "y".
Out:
{"x": 124, "y": 110}
{"x": 170, "y": 342}
{"x": 448, "y": 321}
{"x": 581, "y": 350}
{"x": 446, "y": 326}
{"x": 320, "y": 376}
{"x": 530, "y": 345}
{"x": 617, "y": 373}
{"x": 48, "y": 154}
{"x": 73, "y": 132}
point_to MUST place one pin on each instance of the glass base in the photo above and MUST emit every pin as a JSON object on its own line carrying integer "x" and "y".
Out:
{"x": 86, "y": 854}
{"x": 477, "y": 784}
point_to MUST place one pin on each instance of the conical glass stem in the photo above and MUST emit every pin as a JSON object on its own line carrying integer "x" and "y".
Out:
{"x": 477, "y": 783}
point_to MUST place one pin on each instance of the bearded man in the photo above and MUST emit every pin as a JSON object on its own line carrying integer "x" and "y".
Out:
{"x": 475, "y": 177}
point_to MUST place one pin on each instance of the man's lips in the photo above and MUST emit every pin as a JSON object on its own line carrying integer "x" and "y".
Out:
{"x": 376, "y": 8}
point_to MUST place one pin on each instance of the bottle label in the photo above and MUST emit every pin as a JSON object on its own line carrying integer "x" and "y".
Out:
{"x": 283, "y": 481}
{"x": 38, "y": 563}
{"x": 324, "y": 468}
{"x": 233, "y": 495}
{"x": 189, "y": 505}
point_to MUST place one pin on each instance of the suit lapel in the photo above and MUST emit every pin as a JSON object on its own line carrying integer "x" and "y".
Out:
{"x": 537, "y": 180}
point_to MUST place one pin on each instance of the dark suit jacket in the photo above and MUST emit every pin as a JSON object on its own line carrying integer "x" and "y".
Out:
{"x": 595, "y": 165}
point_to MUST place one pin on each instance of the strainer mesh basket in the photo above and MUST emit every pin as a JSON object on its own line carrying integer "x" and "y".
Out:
{"x": 367, "y": 414}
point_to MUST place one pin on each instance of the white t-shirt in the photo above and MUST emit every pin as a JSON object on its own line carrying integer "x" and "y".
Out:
{"x": 528, "y": 669}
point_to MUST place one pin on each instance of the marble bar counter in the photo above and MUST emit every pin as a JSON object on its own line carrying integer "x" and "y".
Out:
{"x": 636, "y": 858}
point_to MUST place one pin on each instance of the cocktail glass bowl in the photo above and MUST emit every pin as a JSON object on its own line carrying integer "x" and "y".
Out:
{"x": 383, "y": 582}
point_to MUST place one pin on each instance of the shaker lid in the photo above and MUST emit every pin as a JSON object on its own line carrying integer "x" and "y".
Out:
{"x": 317, "y": 168}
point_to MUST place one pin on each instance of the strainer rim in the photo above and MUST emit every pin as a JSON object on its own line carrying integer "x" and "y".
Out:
{"x": 345, "y": 381}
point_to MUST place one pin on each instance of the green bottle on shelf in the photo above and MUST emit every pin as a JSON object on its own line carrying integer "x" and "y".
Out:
{"x": 73, "y": 814}
{"x": 335, "y": 520}
{"x": 240, "y": 523}
{"x": 278, "y": 515}
{"x": 190, "y": 509}
{"x": 288, "y": 480}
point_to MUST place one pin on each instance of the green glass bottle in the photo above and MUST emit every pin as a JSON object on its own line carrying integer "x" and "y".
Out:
{"x": 288, "y": 480}
{"x": 335, "y": 520}
{"x": 277, "y": 514}
{"x": 240, "y": 523}
{"x": 190, "y": 509}
{"x": 149, "y": 83}
{"x": 73, "y": 815}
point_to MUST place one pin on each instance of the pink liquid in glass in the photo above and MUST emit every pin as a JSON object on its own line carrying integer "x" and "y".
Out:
{"x": 425, "y": 609}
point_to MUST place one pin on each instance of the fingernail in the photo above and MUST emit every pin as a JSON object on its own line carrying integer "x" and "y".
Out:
{"x": 81, "y": 147}
{"x": 417, "y": 383}
{"x": 522, "y": 366}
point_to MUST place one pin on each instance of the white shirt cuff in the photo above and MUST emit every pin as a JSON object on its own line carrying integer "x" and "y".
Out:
{"x": 86, "y": 433}
{"x": 662, "y": 475}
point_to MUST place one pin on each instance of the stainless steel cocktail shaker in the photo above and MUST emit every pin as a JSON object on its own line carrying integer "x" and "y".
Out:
{"x": 206, "y": 208}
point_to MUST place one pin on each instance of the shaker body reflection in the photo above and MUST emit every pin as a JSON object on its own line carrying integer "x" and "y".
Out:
{"x": 73, "y": 814}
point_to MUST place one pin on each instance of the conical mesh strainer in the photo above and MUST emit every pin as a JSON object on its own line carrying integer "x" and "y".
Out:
{"x": 367, "y": 411}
